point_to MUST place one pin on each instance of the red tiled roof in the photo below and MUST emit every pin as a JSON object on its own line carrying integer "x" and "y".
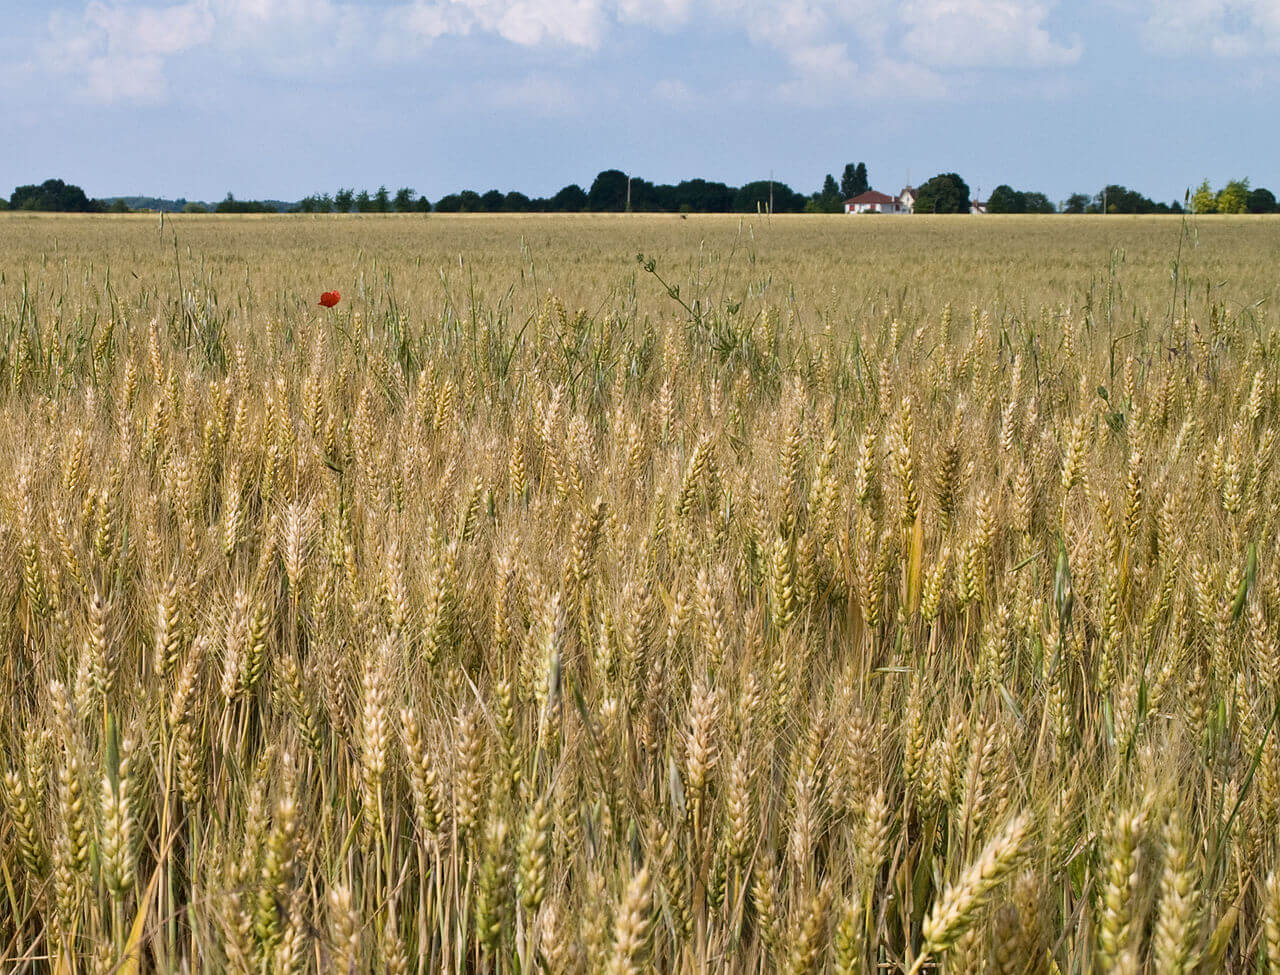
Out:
{"x": 871, "y": 196}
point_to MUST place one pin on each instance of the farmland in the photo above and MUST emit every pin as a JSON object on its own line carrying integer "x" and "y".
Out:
{"x": 626, "y": 593}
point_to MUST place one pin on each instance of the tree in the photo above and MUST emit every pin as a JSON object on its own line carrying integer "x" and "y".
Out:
{"x": 853, "y": 181}
{"x": 1005, "y": 199}
{"x": 608, "y": 191}
{"x": 364, "y": 202}
{"x": 1076, "y": 203}
{"x": 118, "y": 206}
{"x": 571, "y": 199}
{"x": 644, "y": 195}
{"x": 754, "y": 197}
{"x": 4, "y": 204}
{"x": 1039, "y": 203}
{"x": 516, "y": 202}
{"x": 945, "y": 193}
{"x": 344, "y": 200}
{"x": 54, "y": 195}
{"x": 403, "y": 201}
{"x": 699, "y": 196}
{"x": 422, "y": 205}
{"x": 1261, "y": 200}
{"x": 1204, "y": 200}
{"x": 1234, "y": 197}
{"x": 1121, "y": 199}
{"x": 491, "y": 202}
{"x": 829, "y": 199}
{"x": 232, "y": 205}
{"x": 195, "y": 208}
{"x": 452, "y": 203}
{"x": 471, "y": 201}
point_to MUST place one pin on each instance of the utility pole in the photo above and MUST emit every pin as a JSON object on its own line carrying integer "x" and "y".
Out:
{"x": 771, "y": 192}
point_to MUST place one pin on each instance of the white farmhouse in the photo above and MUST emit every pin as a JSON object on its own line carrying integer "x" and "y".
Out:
{"x": 873, "y": 202}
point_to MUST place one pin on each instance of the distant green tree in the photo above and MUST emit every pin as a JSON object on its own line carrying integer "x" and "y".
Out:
{"x": 195, "y": 208}
{"x": 4, "y": 204}
{"x": 1261, "y": 200}
{"x": 232, "y": 205}
{"x": 471, "y": 201}
{"x": 1038, "y": 203}
{"x": 54, "y": 195}
{"x": 572, "y": 199}
{"x": 118, "y": 206}
{"x": 1234, "y": 197}
{"x": 1077, "y": 203}
{"x": 853, "y": 181}
{"x": 829, "y": 199}
{"x": 422, "y": 205}
{"x": 452, "y": 203}
{"x": 858, "y": 182}
{"x": 364, "y": 202}
{"x": 404, "y": 199}
{"x": 701, "y": 196}
{"x": 1005, "y": 199}
{"x": 944, "y": 193}
{"x": 515, "y": 202}
{"x": 1204, "y": 200}
{"x": 491, "y": 202}
{"x": 344, "y": 200}
{"x": 644, "y": 196}
{"x": 1121, "y": 199}
{"x": 608, "y": 191}
{"x": 755, "y": 196}
{"x": 325, "y": 203}
{"x": 382, "y": 201}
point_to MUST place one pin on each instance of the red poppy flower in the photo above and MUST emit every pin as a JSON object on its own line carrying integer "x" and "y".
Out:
{"x": 330, "y": 298}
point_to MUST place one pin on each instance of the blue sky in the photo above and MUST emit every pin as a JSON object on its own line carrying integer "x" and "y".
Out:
{"x": 280, "y": 98}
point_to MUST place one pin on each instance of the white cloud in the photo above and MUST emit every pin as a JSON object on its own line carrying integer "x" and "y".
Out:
{"x": 975, "y": 33}
{"x": 121, "y": 48}
{"x": 1225, "y": 28}
{"x": 524, "y": 22}
{"x": 832, "y": 48}
{"x": 655, "y": 13}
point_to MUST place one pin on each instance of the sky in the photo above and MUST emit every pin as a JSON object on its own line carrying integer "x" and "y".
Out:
{"x": 282, "y": 98}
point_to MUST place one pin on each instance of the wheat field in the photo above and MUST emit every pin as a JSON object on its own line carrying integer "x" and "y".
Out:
{"x": 623, "y": 594}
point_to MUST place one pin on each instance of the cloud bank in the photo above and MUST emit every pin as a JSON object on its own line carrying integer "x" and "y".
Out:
{"x": 121, "y": 50}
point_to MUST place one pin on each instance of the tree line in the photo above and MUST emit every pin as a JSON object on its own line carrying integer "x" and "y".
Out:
{"x": 613, "y": 191}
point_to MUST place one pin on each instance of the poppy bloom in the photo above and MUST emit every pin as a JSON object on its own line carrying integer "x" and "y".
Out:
{"x": 330, "y": 298}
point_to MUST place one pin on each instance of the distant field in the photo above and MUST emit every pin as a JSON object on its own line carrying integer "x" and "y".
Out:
{"x": 813, "y": 594}
{"x": 841, "y": 264}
